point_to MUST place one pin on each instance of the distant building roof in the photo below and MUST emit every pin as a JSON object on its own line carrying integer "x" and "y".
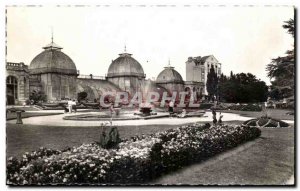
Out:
{"x": 199, "y": 60}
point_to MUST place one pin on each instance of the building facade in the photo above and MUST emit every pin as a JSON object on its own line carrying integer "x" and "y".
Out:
{"x": 197, "y": 69}
{"x": 17, "y": 83}
{"x": 55, "y": 74}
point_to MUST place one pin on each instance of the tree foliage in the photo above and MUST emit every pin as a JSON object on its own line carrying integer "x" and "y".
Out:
{"x": 242, "y": 88}
{"x": 37, "y": 96}
{"x": 212, "y": 83}
{"x": 81, "y": 96}
{"x": 282, "y": 69}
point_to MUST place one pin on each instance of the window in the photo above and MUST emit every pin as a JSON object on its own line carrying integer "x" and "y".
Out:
{"x": 11, "y": 89}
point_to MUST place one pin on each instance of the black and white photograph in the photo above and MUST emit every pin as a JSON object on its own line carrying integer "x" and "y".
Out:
{"x": 149, "y": 95}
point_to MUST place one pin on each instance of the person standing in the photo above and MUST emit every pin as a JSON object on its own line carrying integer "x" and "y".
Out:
{"x": 74, "y": 105}
{"x": 111, "y": 109}
{"x": 70, "y": 106}
{"x": 220, "y": 118}
{"x": 214, "y": 117}
{"x": 171, "y": 107}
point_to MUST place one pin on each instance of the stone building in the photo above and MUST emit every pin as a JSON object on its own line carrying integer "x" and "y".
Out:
{"x": 17, "y": 83}
{"x": 54, "y": 73}
{"x": 197, "y": 69}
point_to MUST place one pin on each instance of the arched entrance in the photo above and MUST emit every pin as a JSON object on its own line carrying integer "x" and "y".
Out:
{"x": 11, "y": 90}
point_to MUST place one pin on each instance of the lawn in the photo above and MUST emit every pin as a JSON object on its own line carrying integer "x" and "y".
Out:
{"x": 11, "y": 116}
{"x": 268, "y": 160}
{"x": 274, "y": 113}
{"x": 25, "y": 138}
{"x": 26, "y": 108}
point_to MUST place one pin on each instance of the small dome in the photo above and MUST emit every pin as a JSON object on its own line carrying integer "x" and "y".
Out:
{"x": 52, "y": 60}
{"x": 169, "y": 75}
{"x": 125, "y": 65}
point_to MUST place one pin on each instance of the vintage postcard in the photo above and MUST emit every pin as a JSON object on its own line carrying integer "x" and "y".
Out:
{"x": 150, "y": 95}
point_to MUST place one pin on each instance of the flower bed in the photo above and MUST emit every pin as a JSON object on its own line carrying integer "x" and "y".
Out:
{"x": 266, "y": 122}
{"x": 136, "y": 160}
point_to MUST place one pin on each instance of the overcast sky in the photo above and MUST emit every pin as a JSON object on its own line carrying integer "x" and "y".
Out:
{"x": 243, "y": 39}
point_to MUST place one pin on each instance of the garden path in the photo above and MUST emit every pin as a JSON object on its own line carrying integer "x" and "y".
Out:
{"x": 57, "y": 120}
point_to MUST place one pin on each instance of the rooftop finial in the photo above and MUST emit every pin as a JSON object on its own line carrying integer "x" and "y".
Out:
{"x": 125, "y": 48}
{"x": 169, "y": 63}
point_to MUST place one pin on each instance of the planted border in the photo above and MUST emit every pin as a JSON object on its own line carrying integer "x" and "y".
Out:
{"x": 136, "y": 160}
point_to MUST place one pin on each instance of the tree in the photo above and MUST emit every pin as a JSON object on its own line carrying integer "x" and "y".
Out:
{"x": 81, "y": 96}
{"x": 212, "y": 83}
{"x": 37, "y": 96}
{"x": 282, "y": 69}
{"x": 242, "y": 88}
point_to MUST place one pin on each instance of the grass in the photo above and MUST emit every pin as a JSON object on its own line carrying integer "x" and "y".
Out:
{"x": 26, "y": 108}
{"x": 268, "y": 160}
{"x": 264, "y": 161}
{"x": 274, "y": 113}
{"x": 26, "y": 138}
{"x": 11, "y": 116}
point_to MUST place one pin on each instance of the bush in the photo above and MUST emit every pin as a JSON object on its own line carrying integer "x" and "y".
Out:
{"x": 81, "y": 96}
{"x": 136, "y": 160}
{"x": 109, "y": 137}
{"x": 247, "y": 107}
{"x": 251, "y": 107}
{"x": 38, "y": 96}
{"x": 205, "y": 105}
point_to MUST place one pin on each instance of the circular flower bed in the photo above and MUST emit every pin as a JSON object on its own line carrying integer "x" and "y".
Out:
{"x": 267, "y": 122}
{"x": 136, "y": 160}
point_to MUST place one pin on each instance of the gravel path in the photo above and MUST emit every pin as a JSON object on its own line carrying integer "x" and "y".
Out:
{"x": 57, "y": 120}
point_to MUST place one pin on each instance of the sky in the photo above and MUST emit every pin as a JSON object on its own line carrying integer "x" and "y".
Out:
{"x": 243, "y": 39}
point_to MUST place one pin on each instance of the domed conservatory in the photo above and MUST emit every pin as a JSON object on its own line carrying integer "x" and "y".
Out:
{"x": 126, "y": 73}
{"x": 55, "y": 74}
